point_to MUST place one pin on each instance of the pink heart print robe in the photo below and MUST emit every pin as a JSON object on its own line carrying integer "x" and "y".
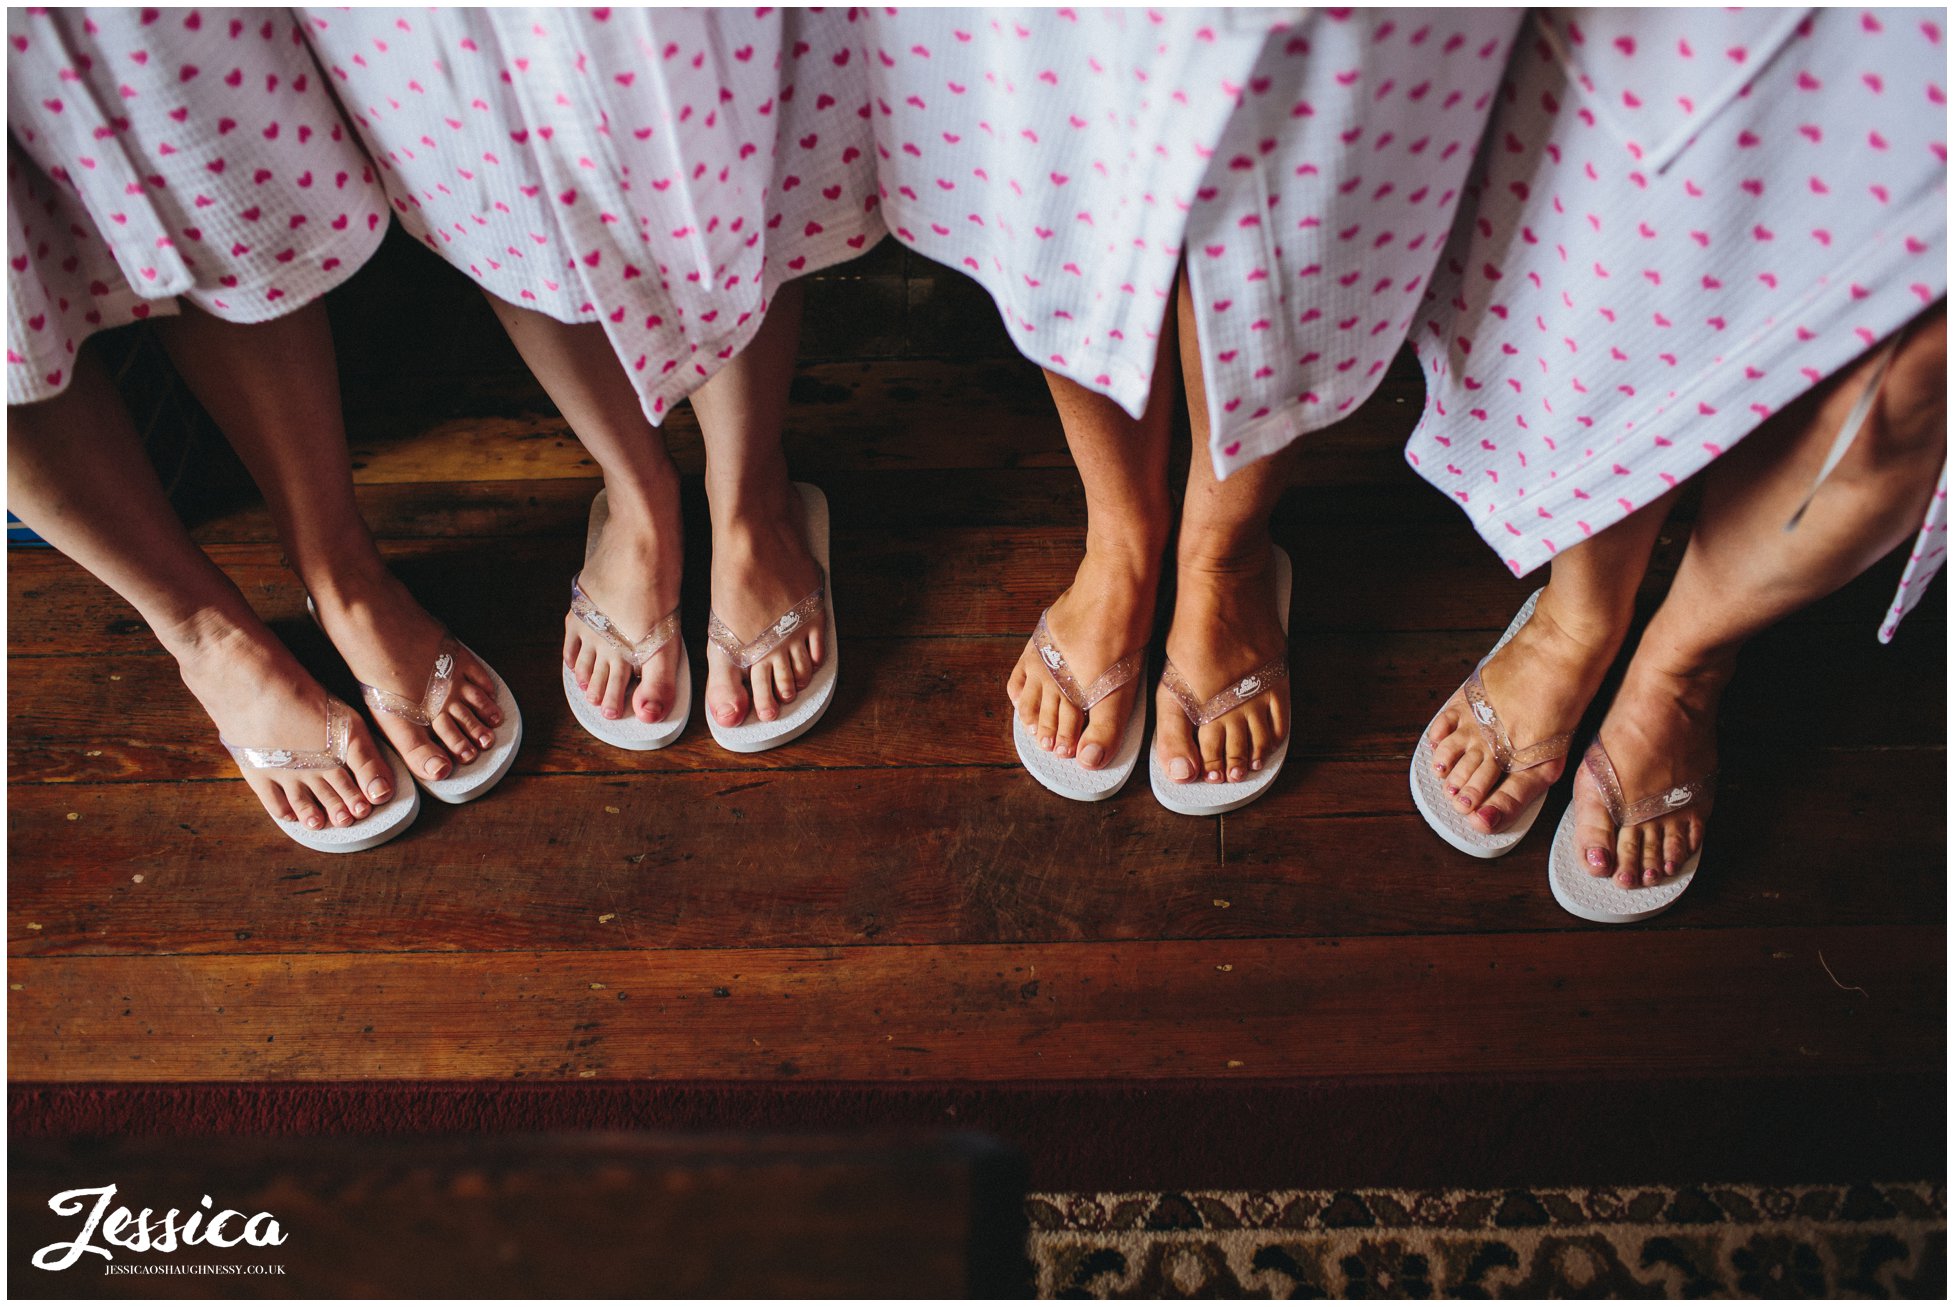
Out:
{"x": 156, "y": 156}
{"x": 1307, "y": 165}
{"x": 1682, "y": 220}
{"x": 659, "y": 172}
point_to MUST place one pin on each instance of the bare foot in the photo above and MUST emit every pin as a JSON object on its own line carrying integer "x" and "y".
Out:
{"x": 1540, "y": 682}
{"x": 388, "y": 640}
{"x": 1660, "y": 734}
{"x": 761, "y": 568}
{"x": 260, "y": 698}
{"x": 1104, "y": 615}
{"x": 1225, "y": 626}
{"x": 633, "y": 578}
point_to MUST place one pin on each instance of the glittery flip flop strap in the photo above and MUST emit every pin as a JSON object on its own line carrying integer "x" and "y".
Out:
{"x": 1068, "y": 685}
{"x": 1201, "y": 712}
{"x": 1624, "y": 813}
{"x": 745, "y": 653}
{"x": 1510, "y": 759}
{"x": 636, "y": 652}
{"x": 422, "y": 711}
{"x": 339, "y": 723}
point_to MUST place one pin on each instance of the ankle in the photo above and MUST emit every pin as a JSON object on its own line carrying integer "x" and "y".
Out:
{"x": 1125, "y": 557}
{"x": 1597, "y": 628}
{"x": 211, "y": 637}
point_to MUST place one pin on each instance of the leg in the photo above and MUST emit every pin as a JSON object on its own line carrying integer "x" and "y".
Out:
{"x": 274, "y": 391}
{"x": 79, "y": 476}
{"x": 761, "y": 564}
{"x": 1743, "y": 571}
{"x": 1225, "y": 618}
{"x": 634, "y": 574}
{"x": 1107, "y": 611}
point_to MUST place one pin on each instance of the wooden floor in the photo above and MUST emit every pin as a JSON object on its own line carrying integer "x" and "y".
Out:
{"x": 892, "y": 898}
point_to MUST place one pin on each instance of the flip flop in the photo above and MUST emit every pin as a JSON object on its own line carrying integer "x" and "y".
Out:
{"x": 466, "y": 780}
{"x": 1204, "y": 798}
{"x": 1067, "y": 776}
{"x": 799, "y": 716}
{"x": 1428, "y": 789}
{"x": 1598, "y": 898}
{"x": 627, "y": 732}
{"x": 385, "y": 821}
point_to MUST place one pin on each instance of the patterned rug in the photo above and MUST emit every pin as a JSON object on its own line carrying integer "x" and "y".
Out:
{"x": 1884, "y": 1240}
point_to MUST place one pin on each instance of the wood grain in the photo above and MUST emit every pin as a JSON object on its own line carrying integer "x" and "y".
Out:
{"x": 1569, "y": 1004}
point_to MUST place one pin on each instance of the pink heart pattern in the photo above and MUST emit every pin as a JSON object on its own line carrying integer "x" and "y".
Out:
{"x": 134, "y": 182}
{"x": 1308, "y": 167}
{"x": 1606, "y": 320}
{"x": 658, "y": 172}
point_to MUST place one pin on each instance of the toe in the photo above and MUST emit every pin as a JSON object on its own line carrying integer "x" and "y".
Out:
{"x": 1105, "y": 727}
{"x": 347, "y": 789}
{"x": 1028, "y": 704}
{"x": 1443, "y": 726}
{"x": 572, "y": 642}
{"x": 617, "y": 691}
{"x": 600, "y": 680}
{"x": 480, "y": 700}
{"x": 1476, "y": 786}
{"x": 1511, "y": 797}
{"x": 760, "y": 685}
{"x": 1235, "y": 748}
{"x": 328, "y": 799}
{"x": 272, "y": 795}
{"x": 1594, "y": 833}
{"x": 471, "y": 726}
{"x": 375, "y": 774}
{"x": 1450, "y": 755}
{"x": 1628, "y": 857}
{"x": 586, "y": 665}
{"x": 1174, "y": 741}
{"x": 428, "y": 759}
{"x": 305, "y": 808}
{"x": 1211, "y": 743}
{"x": 780, "y": 668}
{"x": 1047, "y": 728}
{"x": 449, "y": 732}
{"x": 802, "y": 667}
{"x": 1071, "y": 724}
{"x": 1675, "y": 846}
{"x": 1260, "y": 736}
{"x": 726, "y": 694}
{"x": 1014, "y": 684}
{"x": 1651, "y": 855}
{"x": 817, "y": 645}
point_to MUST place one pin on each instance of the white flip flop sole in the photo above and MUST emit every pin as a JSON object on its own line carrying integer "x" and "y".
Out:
{"x": 1428, "y": 788}
{"x": 628, "y": 732}
{"x": 380, "y": 825}
{"x": 471, "y": 780}
{"x": 474, "y": 779}
{"x": 1598, "y": 898}
{"x": 798, "y": 717}
{"x": 1204, "y": 798}
{"x": 1066, "y": 777}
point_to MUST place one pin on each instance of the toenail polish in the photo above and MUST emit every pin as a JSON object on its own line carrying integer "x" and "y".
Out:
{"x": 1179, "y": 769}
{"x": 1235, "y": 773}
{"x": 487, "y": 740}
{"x": 1452, "y": 790}
{"x": 1092, "y": 755}
{"x": 1597, "y": 857}
{"x": 1669, "y": 868}
{"x": 1256, "y": 765}
{"x": 1214, "y": 775}
{"x": 1440, "y": 768}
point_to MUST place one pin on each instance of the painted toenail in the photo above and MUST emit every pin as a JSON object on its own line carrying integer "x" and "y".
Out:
{"x": 1214, "y": 775}
{"x": 1180, "y": 769}
{"x": 1669, "y": 868}
{"x": 378, "y": 790}
{"x": 1597, "y": 857}
{"x": 1440, "y": 768}
{"x": 1452, "y": 790}
{"x": 1256, "y": 765}
{"x": 487, "y": 740}
{"x": 1092, "y": 755}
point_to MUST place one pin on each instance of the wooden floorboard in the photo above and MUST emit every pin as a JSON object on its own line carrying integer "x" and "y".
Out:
{"x": 1573, "y": 1004}
{"x": 892, "y": 899}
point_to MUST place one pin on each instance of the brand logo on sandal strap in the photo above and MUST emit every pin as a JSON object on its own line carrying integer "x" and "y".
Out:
{"x": 1484, "y": 712}
{"x": 1250, "y": 685}
{"x": 444, "y": 665}
{"x": 786, "y": 624}
{"x": 1053, "y": 658}
{"x": 1677, "y": 796}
